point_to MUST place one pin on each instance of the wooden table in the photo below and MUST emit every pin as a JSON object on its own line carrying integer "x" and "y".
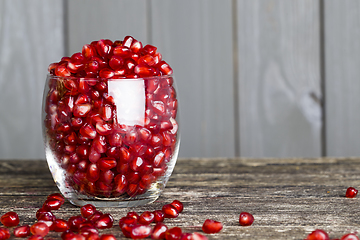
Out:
{"x": 289, "y": 198}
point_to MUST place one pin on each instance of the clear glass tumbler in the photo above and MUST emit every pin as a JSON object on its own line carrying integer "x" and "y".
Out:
{"x": 110, "y": 142}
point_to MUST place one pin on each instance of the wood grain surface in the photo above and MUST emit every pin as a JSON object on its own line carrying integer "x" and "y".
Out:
{"x": 289, "y": 198}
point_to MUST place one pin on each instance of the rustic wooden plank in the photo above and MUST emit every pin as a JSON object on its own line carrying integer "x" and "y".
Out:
{"x": 90, "y": 20}
{"x": 279, "y": 78}
{"x": 289, "y": 198}
{"x": 31, "y": 37}
{"x": 342, "y": 52}
{"x": 195, "y": 37}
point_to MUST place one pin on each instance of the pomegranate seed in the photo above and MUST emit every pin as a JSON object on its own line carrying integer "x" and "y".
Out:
{"x": 349, "y": 236}
{"x": 198, "y": 236}
{"x": 92, "y": 236}
{"x": 87, "y": 210}
{"x": 148, "y": 49}
{"x": 159, "y": 231}
{"x": 52, "y": 204}
{"x": 74, "y": 223}
{"x": 212, "y": 226}
{"x": 10, "y": 219}
{"x": 158, "y": 216}
{"x": 246, "y": 219}
{"x": 140, "y": 231}
{"x": 170, "y": 211}
{"x": 133, "y": 215}
{"x": 146, "y": 218}
{"x": 122, "y": 51}
{"x": 86, "y": 230}
{"x": 57, "y": 196}
{"x": 60, "y": 225}
{"x": 40, "y": 229}
{"x": 88, "y": 51}
{"x": 178, "y": 205}
{"x": 107, "y": 163}
{"x": 105, "y": 221}
{"x": 103, "y": 47}
{"x": 107, "y": 237}
{"x": 318, "y": 234}
{"x": 186, "y": 236}
{"x": 4, "y": 233}
{"x": 35, "y": 237}
{"x": 22, "y": 231}
{"x": 47, "y": 218}
{"x": 173, "y": 233}
{"x": 164, "y": 68}
{"x": 127, "y": 221}
{"x": 351, "y": 192}
{"x": 96, "y": 216}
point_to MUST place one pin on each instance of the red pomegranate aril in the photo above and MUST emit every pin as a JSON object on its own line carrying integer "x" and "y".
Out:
{"x": 52, "y": 204}
{"x": 318, "y": 234}
{"x": 107, "y": 176}
{"x": 159, "y": 231}
{"x": 136, "y": 164}
{"x": 129, "y": 66}
{"x": 158, "y": 216}
{"x": 4, "y": 233}
{"x": 107, "y": 237}
{"x": 22, "y": 231}
{"x": 148, "y": 49}
{"x": 92, "y": 236}
{"x": 104, "y": 47}
{"x": 103, "y": 128}
{"x": 99, "y": 144}
{"x": 115, "y": 139}
{"x": 62, "y": 71}
{"x": 133, "y": 189}
{"x": 351, "y": 192}
{"x": 133, "y": 215}
{"x": 107, "y": 163}
{"x": 74, "y": 223}
{"x": 128, "y": 220}
{"x": 87, "y": 210}
{"x": 88, "y": 51}
{"x": 120, "y": 185}
{"x": 246, "y": 219}
{"x": 96, "y": 216}
{"x": 143, "y": 70}
{"x": 106, "y": 73}
{"x": 198, "y": 236}
{"x": 212, "y": 226}
{"x": 140, "y": 231}
{"x": 146, "y": 218}
{"x": 170, "y": 211}
{"x": 164, "y": 68}
{"x": 116, "y": 62}
{"x": 88, "y": 131}
{"x": 86, "y": 230}
{"x": 39, "y": 228}
{"x": 349, "y": 236}
{"x": 122, "y": 51}
{"x": 10, "y": 219}
{"x": 173, "y": 233}
{"x": 178, "y": 205}
{"x": 60, "y": 225}
{"x": 105, "y": 221}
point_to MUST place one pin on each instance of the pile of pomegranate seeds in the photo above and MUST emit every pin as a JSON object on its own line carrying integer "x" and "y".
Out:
{"x": 101, "y": 155}
{"x": 351, "y": 192}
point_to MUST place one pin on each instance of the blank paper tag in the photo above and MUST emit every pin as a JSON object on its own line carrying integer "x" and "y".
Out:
{"x": 129, "y": 97}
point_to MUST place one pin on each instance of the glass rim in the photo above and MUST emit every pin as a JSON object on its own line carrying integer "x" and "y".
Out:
{"x": 49, "y": 75}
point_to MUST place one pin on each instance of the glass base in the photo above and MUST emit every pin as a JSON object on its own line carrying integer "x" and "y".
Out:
{"x": 114, "y": 202}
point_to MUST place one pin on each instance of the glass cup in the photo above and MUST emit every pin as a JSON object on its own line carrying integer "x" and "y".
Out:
{"x": 110, "y": 142}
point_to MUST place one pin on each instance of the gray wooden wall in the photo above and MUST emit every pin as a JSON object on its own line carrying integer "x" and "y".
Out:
{"x": 258, "y": 78}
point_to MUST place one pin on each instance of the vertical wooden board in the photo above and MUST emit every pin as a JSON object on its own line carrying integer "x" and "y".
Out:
{"x": 90, "y": 20}
{"x": 342, "y": 71}
{"x": 195, "y": 38}
{"x": 31, "y": 37}
{"x": 279, "y": 78}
